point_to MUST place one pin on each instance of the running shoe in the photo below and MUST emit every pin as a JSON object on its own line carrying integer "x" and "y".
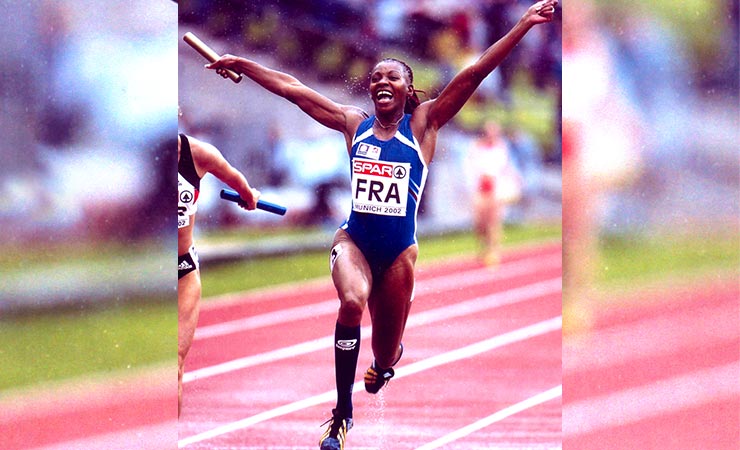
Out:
{"x": 336, "y": 434}
{"x": 376, "y": 378}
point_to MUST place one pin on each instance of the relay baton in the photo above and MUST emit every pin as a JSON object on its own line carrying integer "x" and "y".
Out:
{"x": 233, "y": 196}
{"x": 208, "y": 53}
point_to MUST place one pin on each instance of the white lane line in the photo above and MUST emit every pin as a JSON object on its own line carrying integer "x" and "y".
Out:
{"x": 268, "y": 319}
{"x": 650, "y": 337}
{"x": 653, "y": 400}
{"x": 454, "y": 281}
{"x": 460, "y": 280}
{"x": 531, "y": 402}
{"x": 149, "y": 437}
{"x": 476, "y": 305}
{"x": 537, "y": 329}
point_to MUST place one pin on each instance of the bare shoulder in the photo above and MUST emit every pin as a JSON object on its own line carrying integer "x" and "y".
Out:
{"x": 354, "y": 117}
{"x": 201, "y": 149}
{"x": 425, "y": 130}
{"x": 420, "y": 118}
{"x": 205, "y": 155}
{"x": 356, "y": 111}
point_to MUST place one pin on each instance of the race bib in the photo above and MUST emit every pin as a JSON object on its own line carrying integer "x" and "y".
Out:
{"x": 380, "y": 187}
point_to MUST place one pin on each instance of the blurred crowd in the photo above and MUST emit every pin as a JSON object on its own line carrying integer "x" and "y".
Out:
{"x": 89, "y": 113}
{"x": 341, "y": 40}
{"x": 332, "y": 46}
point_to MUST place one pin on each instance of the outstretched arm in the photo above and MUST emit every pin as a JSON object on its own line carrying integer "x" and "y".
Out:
{"x": 209, "y": 159}
{"x": 462, "y": 86}
{"x": 325, "y": 111}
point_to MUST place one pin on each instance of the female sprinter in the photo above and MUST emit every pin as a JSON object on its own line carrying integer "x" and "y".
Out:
{"x": 195, "y": 159}
{"x": 374, "y": 252}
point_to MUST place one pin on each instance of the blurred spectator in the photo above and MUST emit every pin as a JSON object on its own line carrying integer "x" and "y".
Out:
{"x": 318, "y": 163}
{"x": 163, "y": 162}
{"x": 388, "y": 21}
{"x": 500, "y": 17}
{"x": 64, "y": 112}
{"x": 526, "y": 155}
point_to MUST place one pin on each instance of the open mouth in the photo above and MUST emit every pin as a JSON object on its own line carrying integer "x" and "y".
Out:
{"x": 384, "y": 95}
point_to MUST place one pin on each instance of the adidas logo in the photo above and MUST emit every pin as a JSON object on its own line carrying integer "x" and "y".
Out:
{"x": 184, "y": 266}
{"x": 346, "y": 344}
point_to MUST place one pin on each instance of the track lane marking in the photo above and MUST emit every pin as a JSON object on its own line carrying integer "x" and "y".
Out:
{"x": 645, "y": 402}
{"x": 279, "y": 317}
{"x": 521, "y": 334}
{"x": 498, "y": 416}
{"x": 476, "y": 305}
{"x": 650, "y": 337}
{"x": 325, "y": 307}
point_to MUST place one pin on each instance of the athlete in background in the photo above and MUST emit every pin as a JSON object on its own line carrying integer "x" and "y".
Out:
{"x": 498, "y": 185}
{"x": 194, "y": 160}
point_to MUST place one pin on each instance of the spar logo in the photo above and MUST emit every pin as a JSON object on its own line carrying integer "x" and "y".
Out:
{"x": 372, "y": 168}
{"x": 379, "y": 169}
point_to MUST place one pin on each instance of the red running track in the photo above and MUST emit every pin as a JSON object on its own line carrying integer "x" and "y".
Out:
{"x": 661, "y": 371}
{"x": 129, "y": 411}
{"x": 481, "y": 368}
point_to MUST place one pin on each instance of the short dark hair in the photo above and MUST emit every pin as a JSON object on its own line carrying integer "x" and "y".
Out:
{"x": 413, "y": 100}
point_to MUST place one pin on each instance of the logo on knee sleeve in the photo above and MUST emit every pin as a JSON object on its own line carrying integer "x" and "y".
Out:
{"x": 346, "y": 344}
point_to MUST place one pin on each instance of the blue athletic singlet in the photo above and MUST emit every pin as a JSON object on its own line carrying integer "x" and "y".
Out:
{"x": 388, "y": 179}
{"x": 188, "y": 184}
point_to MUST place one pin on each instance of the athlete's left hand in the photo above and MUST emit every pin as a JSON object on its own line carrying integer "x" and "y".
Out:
{"x": 541, "y": 12}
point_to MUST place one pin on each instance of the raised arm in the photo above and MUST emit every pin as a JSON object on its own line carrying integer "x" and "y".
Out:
{"x": 338, "y": 117}
{"x": 208, "y": 159}
{"x": 462, "y": 86}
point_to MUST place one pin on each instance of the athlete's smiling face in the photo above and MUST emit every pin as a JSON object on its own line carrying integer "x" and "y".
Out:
{"x": 389, "y": 86}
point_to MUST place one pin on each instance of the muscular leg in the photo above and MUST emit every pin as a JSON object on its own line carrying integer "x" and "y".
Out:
{"x": 353, "y": 280}
{"x": 390, "y": 304}
{"x": 188, "y": 307}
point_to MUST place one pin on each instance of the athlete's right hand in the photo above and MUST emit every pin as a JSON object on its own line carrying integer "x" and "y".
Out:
{"x": 250, "y": 198}
{"x": 226, "y": 61}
